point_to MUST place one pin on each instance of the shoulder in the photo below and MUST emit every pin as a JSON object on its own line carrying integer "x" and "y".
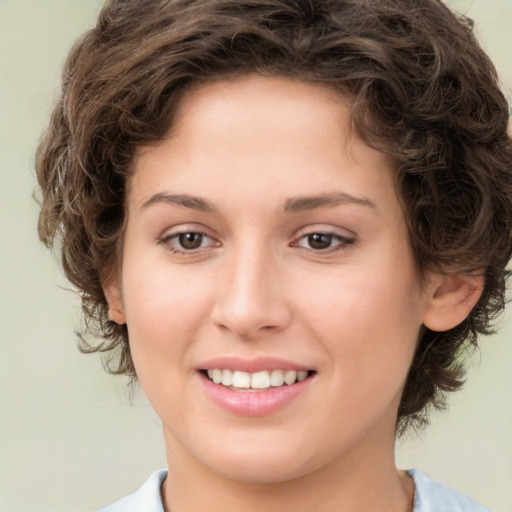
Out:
{"x": 147, "y": 498}
{"x": 432, "y": 496}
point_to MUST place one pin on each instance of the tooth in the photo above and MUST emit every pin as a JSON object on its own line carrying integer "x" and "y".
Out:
{"x": 260, "y": 380}
{"x": 241, "y": 379}
{"x": 277, "y": 378}
{"x": 227, "y": 377}
{"x": 290, "y": 377}
{"x": 217, "y": 376}
{"x": 301, "y": 375}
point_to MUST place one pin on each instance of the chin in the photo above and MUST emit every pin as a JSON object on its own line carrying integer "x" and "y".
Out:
{"x": 262, "y": 471}
{"x": 262, "y": 464}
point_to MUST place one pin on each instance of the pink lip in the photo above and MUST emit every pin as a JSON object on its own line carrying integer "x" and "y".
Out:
{"x": 252, "y": 365}
{"x": 253, "y": 403}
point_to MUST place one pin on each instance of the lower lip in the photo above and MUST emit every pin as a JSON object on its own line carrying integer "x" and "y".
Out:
{"x": 254, "y": 403}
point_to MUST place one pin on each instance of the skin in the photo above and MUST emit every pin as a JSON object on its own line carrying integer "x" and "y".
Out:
{"x": 255, "y": 286}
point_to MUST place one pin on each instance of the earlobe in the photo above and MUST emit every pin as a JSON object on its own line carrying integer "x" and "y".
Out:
{"x": 451, "y": 299}
{"x": 115, "y": 304}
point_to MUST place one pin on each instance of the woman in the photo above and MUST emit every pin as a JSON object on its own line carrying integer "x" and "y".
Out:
{"x": 286, "y": 218}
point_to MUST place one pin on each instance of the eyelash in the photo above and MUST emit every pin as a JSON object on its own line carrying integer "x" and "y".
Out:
{"x": 343, "y": 241}
{"x": 171, "y": 242}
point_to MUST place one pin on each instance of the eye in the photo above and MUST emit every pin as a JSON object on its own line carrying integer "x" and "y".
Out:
{"x": 323, "y": 241}
{"x": 187, "y": 241}
{"x": 190, "y": 241}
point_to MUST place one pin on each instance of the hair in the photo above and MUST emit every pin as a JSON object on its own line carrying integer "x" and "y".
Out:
{"x": 420, "y": 88}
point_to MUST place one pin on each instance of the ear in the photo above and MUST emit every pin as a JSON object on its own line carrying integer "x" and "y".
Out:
{"x": 450, "y": 300}
{"x": 112, "y": 293}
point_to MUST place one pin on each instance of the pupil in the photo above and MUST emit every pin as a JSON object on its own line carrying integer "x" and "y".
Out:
{"x": 190, "y": 240}
{"x": 319, "y": 240}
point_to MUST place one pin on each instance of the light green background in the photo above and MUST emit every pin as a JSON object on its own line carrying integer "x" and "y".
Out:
{"x": 69, "y": 441}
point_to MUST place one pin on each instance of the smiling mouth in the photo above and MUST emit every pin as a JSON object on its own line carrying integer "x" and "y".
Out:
{"x": 238, "y": 380}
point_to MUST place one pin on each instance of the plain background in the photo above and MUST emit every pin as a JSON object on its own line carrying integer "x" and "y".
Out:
{"x": 69, "y": 439}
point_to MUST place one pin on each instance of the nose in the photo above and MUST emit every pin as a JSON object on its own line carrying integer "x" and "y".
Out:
{"x": 250, "y": 300}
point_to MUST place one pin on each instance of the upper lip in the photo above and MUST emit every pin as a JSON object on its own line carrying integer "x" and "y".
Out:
{"x": 253, "y": 365}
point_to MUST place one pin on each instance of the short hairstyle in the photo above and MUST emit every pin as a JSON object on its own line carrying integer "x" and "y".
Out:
{"x": 420, "y": 88}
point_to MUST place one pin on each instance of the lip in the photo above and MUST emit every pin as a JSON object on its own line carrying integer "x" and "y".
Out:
{"x": 258, "y": 364}
{"x": 254, "y": 403}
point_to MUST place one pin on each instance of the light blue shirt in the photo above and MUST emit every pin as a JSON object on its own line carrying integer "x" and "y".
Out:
{"x": 429, "y": 496}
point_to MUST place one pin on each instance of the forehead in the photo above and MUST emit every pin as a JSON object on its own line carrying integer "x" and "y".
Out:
{"x": 256, "y": 132}
{"x": 259, "y": 108}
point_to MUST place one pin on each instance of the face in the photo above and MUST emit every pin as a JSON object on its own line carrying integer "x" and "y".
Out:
{"x": 266, "y": 242}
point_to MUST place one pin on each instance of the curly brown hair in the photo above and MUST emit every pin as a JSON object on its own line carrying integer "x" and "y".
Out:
{"x": 421, "y": 88}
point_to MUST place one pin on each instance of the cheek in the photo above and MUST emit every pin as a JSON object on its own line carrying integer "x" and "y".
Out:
{"x": 363, "y": 301}
{"x": 368, "y": 321}
{"x": 164, "y": 310}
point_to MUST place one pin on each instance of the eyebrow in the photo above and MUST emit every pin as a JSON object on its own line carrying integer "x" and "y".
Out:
{"x": 298, "y": 204}
{"x": 192, "y": 202}
{"x": 294, "y": 204}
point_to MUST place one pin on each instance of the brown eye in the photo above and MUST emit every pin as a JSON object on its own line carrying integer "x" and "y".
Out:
{"x": 324, "y": 242}
{"x": 319, "y": 240}
{"x": 190, "y": 241}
